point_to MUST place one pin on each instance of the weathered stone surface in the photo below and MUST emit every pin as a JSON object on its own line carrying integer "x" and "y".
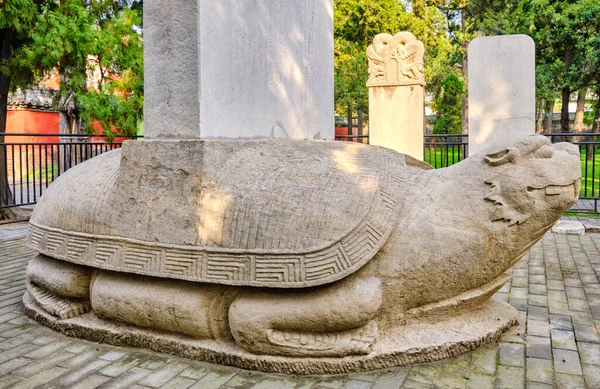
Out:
{"x": 357, "y": 260}
{"x": 176, "y": 306}
{"x": 396, "y": 93}
{"x": 233, "y": 69}
{"x": 59, "y": 277}
{"x": 501, "y": 89}
{"x": 418, "y": 343}
{"x": 569, "y": 227}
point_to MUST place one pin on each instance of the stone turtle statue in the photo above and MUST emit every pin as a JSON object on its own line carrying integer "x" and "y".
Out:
{"x": 292, "y": 256}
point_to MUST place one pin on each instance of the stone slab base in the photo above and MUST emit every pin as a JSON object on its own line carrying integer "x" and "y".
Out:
{"x": 415, "y": 343}
{"x": 569, "y": 227}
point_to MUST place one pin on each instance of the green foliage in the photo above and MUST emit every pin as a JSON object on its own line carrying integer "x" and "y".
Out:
{"x": 356, "y": 22}
{"x": 83, "y": 38}
{"x": 449, "y": 106}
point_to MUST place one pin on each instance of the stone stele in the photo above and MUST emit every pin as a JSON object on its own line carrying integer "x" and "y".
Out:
{"x": 501, "y": 89}
{"x": 397, "y": 93}
{"x": 292, "y": 256}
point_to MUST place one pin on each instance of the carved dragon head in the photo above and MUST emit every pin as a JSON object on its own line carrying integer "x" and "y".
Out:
{"x": 531, "y": 176}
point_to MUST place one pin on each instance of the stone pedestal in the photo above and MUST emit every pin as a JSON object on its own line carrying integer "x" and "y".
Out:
{"x": 234, "y": 69}
{"x": 501, "y": 89}
{"x": 396, "y": 93}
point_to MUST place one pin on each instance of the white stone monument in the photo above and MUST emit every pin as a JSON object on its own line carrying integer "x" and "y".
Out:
{"x": 501, "y": 89}
{"x": 397, "y": 93}
{"x": 238, "y": 69}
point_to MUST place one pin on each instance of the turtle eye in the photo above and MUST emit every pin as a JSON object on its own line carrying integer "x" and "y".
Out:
{"x": 501, "y": 157}
{"x": 543, "y": 152}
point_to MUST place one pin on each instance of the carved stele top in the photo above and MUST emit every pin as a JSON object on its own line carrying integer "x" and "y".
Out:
{"x": 396, "y": 60}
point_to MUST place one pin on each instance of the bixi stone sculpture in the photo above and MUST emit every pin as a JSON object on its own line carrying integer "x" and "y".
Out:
{"x": 292, "y": 256}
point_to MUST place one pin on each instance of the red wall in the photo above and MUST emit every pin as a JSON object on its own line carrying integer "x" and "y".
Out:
{"x": 31, "y": 122}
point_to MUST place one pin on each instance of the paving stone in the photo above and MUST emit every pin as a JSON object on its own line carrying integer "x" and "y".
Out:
{"x": 13, "y": 364}
{"x": 537, "y": 313}
{"x": 79, "y": 359}
{"x": 40, "y": 379}
{"x": 521, "y": 293}
{"x": 9, "y": 381}
{"x": 538, "y": 347}
{"x": 42, "y": 364}
{"x": 586, "y": 334}
{"x": 568, "y": 381}
{"x": 589, "y": 353}
{"x": 538, "y": 328}
{"x": 74, "y": 376}
{"x": 566, "y": 361}
{"x": 352, "y": 384}
{"x": 540, "y": 370}
{"x": 538, "y": 300}
{"x": 520, "y": 282}
{"x": 391, "y": 380}
{"x": 113, "y": 355}
{"x": 212, "y": 380}
{"x": 563, "y": 339}
{"x": 577, "y": 293}
{"x": 126, "y": 379}
{"x": 160, "y": 377}
{"x": 178, "y": 383}
{"x": 510, "y": 377}
{"x": 537, "y": 279}
{"x": 484, "y": 361}
{"x": 561, "y": 322}
{"x": 481, "y": 382}
{"x": 242, "y": 380}
{"x": 537, "y": 385}
{"x": 591, "y": 374}
{"x": 555, "y": 285}
{"x": 411, "y": 384}
{"x": 578, "y": 305}
{"x": 119, "y": 367}
{"x": 91, "y": 382}
{"x": 16, "y": 352}
{"x": 194, "y": 373}
{"x": 520, "y": 304}
{"x": 582, "y": 318}
{"x": 46, "y": 350}
{"x": 512, "y": 354}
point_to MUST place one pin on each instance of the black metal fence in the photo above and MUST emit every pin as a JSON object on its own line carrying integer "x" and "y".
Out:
{"x": 354, "y": 132}
{"x": 30, "y": 162}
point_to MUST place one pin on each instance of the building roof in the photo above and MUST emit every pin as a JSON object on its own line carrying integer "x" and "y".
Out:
{"x": 35, "y": 99}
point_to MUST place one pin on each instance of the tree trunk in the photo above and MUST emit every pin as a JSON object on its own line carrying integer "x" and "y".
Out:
{"x": 549, "y": 116}
{"x": 578, "y": 122}
{"x": 540, "y": 116}
{"x": 465, "y": 74}
{"x": 566, "y": 95}
{"x": 564, "y": 112}
{"x": 6, "y": 196}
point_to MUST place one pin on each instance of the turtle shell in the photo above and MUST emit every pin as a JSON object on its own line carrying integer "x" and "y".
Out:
{"x": 269, "y": 213}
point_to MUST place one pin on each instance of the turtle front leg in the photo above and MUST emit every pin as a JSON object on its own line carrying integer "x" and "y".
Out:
{"x": 59, "y": 288}
{"x": 336, "y": 320}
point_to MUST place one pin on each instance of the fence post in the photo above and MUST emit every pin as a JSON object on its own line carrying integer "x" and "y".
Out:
{"x": 360, "y": 126}
{"x": 349, "y": 123}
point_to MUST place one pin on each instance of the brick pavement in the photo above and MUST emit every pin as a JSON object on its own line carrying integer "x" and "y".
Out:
{"x": 556, "y": 345}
